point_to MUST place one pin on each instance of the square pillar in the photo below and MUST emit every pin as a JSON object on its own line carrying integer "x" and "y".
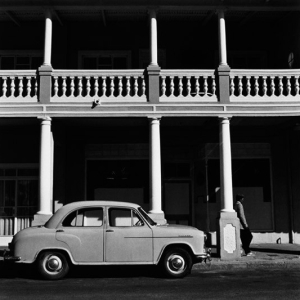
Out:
{"x": 228, "y": 236}
{"x": 153, "y": 73}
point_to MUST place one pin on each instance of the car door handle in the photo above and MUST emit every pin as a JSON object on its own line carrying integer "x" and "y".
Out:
{"x": 109, "y": 230}
{"x": 59, "y": 230}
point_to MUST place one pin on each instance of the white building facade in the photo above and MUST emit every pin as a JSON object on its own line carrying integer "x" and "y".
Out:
{"x": 175, "y": 107}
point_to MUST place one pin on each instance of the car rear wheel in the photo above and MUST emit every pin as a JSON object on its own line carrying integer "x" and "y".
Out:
{"x": 177, "y": 263}
{"x": 52, "y": 265}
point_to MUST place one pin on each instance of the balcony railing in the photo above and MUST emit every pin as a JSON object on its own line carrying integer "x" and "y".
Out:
{"x": 188, "y": 85}
{"x": 18, "y": 85}
{"x": 264, "y": 85}
{"x": 108, "y": 85}
{"x": 123, "y": 86}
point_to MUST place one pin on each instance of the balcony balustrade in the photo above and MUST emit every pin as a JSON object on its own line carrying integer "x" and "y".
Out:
{"x": 188, "y": 85}
{"x": 109, "y": 85}
{"x": 125, "y": 86}
{"x": 18, "y": 85}
{"x": 264, "y": 85}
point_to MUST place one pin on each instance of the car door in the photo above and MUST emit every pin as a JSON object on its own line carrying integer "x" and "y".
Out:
{"x": 82, "y": 231}
{"x": 127, "y": 237}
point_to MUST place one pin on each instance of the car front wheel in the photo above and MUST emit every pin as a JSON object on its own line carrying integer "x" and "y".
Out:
{"x": 177, "y": 263}
{"x": 52, "y": 265}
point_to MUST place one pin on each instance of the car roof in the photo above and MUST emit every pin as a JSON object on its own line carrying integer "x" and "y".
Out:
{"x": 56, "y": 218}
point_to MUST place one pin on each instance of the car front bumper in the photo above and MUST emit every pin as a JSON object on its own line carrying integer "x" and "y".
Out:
{"x": 205, "y": 256}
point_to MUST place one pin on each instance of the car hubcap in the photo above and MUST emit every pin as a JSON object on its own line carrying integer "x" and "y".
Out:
{"x": 176, "y": 263}
{"x": 54, "y": 263}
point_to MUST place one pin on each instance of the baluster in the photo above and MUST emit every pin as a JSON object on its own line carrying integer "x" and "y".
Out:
{"x": 64, "y": 86}
{"x": 272, "y": 87}
{"x": 232, "y": 86}
{"x": 127, "y": 85}
{"x": 79, "y": 86}
{"x": 280, "y": 88}
{"x": 172, "y": 86}
{"x": 180, "y": 86}
{"x": 188, "y": 86}
{"x": 112, "y": 85}
{"x": 213, "y": 86}
{"x": 12, "y": 86}
{"x": 135, "y": 86}
{"x": 120, "y": 86}
{"x": 264, "y": 78}
{"x": 296, "y": 85}
{"x": 35, "y": 87}
{"x": 240, "y": 78}
{"x": 4, "y": 87}
{"x": 20, "y": 90}
{"x": 28, "y": 86}
{"x": 163, "y": 85}
{"x": 205, "y": 86}
{"x": 248, "y": 85}
{"x": 55, "y": 86}
{"x": 256, "y": 86}
{"x": 88, "y": 86}
{"x": 103, "y": 86}
{"x": 72, "y": 86}
{"x": 143, "y": 86}
{"x": 197, "y": 86}
{"x": 288, "y": 85}
{"x": 96, "y": 86}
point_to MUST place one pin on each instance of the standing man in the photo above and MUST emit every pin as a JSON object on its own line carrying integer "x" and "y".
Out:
{"x": 246, "y": 235}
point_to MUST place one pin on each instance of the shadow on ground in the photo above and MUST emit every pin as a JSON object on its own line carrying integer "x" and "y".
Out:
{"x": 12, "y": 270}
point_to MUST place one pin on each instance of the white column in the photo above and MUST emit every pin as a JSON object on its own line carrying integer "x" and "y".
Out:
{"x": 153, "y": 37}
{"x": 46, "y": 168}
{"x": 48, "y": 38}
{"x": 225, "y": 166}
{"x": 222, "y": 38}
{"x": 155, "y": 167}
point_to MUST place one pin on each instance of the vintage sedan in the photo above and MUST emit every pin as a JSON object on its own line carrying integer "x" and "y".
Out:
{"x": 107, "y": 233}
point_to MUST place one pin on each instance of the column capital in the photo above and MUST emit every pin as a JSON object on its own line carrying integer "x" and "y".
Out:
{"x": 154, "y": 118}
{"x": 225, "y": 118}
{"x": 44, "y": 118}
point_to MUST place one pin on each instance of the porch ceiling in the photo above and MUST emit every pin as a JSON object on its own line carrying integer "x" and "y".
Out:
{"x": 115, "y": 10}
{"x": 272, "y": 123}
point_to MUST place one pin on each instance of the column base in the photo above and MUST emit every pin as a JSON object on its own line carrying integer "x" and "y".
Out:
{"x": 159, "y": 218}
{"x": 228, "y": 236}
{"x": 40, "y": 219}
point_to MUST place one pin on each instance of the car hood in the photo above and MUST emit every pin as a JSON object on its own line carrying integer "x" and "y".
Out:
{"x": 174, "y": 230}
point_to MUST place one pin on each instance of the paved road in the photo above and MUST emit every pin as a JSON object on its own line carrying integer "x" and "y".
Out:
{"x": 146, "y": 283}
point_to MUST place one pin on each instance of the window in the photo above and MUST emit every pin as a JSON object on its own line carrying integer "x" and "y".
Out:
{"x": 18, "y": 198}
{"x": 105, "y": 60}
{"x": 87, "y": 217}
{"x": 13, "y": 60}
{"x": 121, "y": 217}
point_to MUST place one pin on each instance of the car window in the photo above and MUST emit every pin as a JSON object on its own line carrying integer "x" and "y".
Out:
{"x": 87, "y": 217}
{"x": 122, "y": 217}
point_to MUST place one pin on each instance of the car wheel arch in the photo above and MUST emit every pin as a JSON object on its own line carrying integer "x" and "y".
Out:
{"x": 175, "y": 245}
{"x": 63, "y": 251}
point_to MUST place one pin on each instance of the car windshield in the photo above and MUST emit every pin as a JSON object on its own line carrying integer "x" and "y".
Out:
{"x": 147, "y": 218}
